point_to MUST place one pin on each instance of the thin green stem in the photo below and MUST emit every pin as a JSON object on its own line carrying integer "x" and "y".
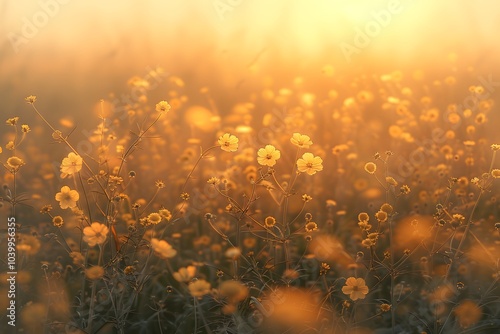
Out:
{"x": 202, "y": 155}
{"x": 92, "y": 298}
{"x": 464, "y": 236}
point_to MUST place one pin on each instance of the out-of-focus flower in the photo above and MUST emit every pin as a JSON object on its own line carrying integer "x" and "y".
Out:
{"x": 386, "y": 207}
{"x": 15, "y": 162}
{"x": 267, "y": 156}
{"x": 57, "y": 135}
{"x": 46, "y": 208}
{"x": 228, "y": 142}
{"x": 309, "y": 164}
{"x": 370, "y": 167}
{"x": 25, "y": 128}
{"x": 166, "y": 214}
{"x": 233, "y": 253}
{"x": 356, "y": 288}
{"x": 468, "y": 313}
{"x": 338, "y": 149}
{"x": 306, "y": 198}
{"x": 495, "y": 173}
{"x": 71, "y": 164}
{"x": 302, "y": 141}
{"x": 480, "y": 118}
{"x": 469, "y": 143}
{"x": 381, "y": 216}
{"x": 154, "y": 218}
{"x": 233, "y": 291}
{"x": 28, "y": 244}
{"x": 385, "y": 307}
{"x": 58, "y": 221}
{"x": 311, "y": 226}
{"x": 12, "y": 121}
{"x": 185, "y": 274}
{"x": 199, "y": 288}
{"x": 67, "y": 198}
{"x": 363, "y": 224}
{"x": 458, "y": 218}
{"x": 330, "y": 203}
{"x": 213, "y": 181}
{"x": 163, "y": 107}
{"x": 405, "y": 189}
{"x": 324, "y": 269}
{"x": 94, "y": 273}
{"x": 30, "y": 99}
{"x": 78, "y": 258}
{"x": 163, "y": 249}
{"x": 269, "y": 221}
{"x": 391, "y": 181}
{"x": 363, "y": 217}
{"x": 249, "y": 242}
{"x": 129, "y": 270}
{"x": 95, "y": 234}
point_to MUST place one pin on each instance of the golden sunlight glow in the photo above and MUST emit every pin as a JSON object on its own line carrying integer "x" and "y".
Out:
{"x": 250, "y": 166}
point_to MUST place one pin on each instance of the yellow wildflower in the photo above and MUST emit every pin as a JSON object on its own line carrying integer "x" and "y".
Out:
{"x": 67, "y": 198}
{"x": 302, "y": 141}
{"x": 71, "y": 164}
{"x": 163, "y": 107}
{"x": 95, "y": 234}
{"x": 199, "y": 288}
{"x": 356, "y": 288}
{"x": 228, "y": 142}
{"x": 309, "y": 164}
{"x": 268, "y": 155}
{"x": 162, "y": 248}
{"x": 185, "y": 274}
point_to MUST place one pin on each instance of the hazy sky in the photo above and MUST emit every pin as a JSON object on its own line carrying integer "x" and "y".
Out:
{"x": 74, "y": 49}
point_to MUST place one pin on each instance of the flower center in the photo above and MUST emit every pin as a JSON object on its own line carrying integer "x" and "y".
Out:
{"x": 269, "y": 156}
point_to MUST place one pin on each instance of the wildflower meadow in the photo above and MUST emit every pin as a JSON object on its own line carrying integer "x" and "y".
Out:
{"x": 334, "y": 196}
{"x": 251, "y": 231}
